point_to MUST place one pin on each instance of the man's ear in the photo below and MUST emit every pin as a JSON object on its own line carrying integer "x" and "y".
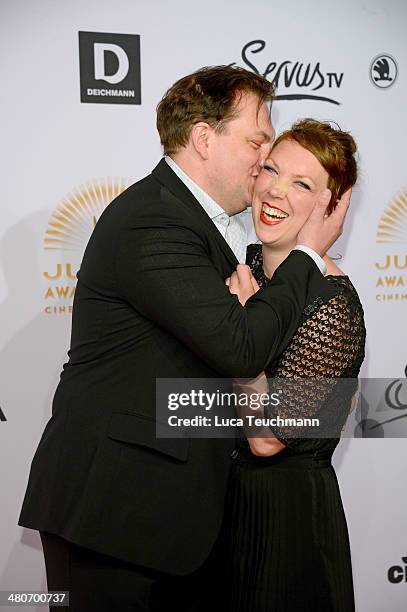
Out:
{"x": 200, "y": 136}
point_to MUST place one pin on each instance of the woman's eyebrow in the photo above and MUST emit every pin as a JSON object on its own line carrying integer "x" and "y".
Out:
{"x": 270, "y": 159}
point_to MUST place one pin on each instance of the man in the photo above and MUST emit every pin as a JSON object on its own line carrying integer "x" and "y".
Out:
{"x": 130, "y": 521}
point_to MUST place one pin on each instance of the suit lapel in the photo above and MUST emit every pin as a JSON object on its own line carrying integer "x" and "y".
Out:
{"x": 164, "y": 174}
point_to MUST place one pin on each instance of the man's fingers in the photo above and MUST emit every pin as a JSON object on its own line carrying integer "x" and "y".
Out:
{"x": 318, "y": 213}
{"x": 343, "y": 204}
{"x": 322, "y": 202}
{"x": 337, "y": 218}
{"x": 321, "y": 230}
{"x": 242, "y": 283}
{"x": 255, "y": 284}
{"x": 243, "y": 270}
{"x": 244, "y": 275}
{"x": 234, "y": 284}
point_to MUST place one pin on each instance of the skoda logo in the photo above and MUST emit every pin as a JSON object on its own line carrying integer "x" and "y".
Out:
{"x": 383, "y": 71}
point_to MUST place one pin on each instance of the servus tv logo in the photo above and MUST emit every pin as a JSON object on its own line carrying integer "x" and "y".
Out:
{"x": 296, "y": 79}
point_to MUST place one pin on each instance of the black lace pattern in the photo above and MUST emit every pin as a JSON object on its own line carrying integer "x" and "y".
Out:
{"x": 329, "y": 344}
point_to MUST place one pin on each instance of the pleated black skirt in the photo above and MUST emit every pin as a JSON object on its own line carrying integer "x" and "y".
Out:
{"x": 286, "y": 536}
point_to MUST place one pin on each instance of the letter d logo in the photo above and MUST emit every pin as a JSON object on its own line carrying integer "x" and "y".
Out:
{"x": 110, "y": 68}
{"x": 99, "y": 54}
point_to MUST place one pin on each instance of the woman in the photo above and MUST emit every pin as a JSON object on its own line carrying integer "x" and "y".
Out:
{"x": 288, "y": 541}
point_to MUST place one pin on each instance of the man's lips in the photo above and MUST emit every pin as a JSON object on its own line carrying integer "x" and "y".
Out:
{"x": 272, "y": 215}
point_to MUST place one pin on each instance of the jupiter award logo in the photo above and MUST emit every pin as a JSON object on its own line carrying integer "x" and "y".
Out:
{"x": 68, "y": 231}
{"x": 391, "y": 251}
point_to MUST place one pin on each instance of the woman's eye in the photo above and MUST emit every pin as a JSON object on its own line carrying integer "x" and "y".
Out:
{"x": 270, "y": 169}
{"x": 304, "y": 185}
{"x": 255, "y": 144}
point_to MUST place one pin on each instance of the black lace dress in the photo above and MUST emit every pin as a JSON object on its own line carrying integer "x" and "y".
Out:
{"x": 287, "y": 536}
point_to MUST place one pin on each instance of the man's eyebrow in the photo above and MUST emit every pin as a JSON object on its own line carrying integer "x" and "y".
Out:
{"x": 266, "y": 137}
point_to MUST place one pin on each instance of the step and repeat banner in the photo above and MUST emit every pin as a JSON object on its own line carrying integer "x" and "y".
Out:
{"x": 80, "y": 84}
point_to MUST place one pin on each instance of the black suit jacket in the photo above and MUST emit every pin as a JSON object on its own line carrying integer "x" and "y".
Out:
{"x": 151, "y": 302}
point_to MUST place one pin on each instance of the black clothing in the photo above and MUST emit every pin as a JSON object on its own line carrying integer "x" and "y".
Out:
{"x": 151, "y": 302}
{"x": 287, "y": 534}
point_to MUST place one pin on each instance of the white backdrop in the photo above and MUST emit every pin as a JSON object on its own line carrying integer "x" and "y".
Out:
{"x": 66, "y": 158}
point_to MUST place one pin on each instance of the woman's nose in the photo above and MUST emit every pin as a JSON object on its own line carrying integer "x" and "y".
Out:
{"x": 277, "y": 189}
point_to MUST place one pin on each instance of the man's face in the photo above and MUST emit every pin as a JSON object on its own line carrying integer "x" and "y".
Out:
{"x": 238, "y": 153}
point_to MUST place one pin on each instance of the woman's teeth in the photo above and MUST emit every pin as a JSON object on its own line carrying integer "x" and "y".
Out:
{"x": 273, "y": 214}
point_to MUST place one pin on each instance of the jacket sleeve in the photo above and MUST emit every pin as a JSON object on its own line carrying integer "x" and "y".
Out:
{"x": 164, "y": 270}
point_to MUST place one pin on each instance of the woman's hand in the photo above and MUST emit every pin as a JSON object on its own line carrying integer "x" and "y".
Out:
{"x": 265, "y": 447}
{"x": 242, "y": 283}
{"x": 260, "y": 446}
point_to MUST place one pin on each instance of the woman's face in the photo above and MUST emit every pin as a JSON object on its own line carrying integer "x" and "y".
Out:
{"x": 285, "y": 193}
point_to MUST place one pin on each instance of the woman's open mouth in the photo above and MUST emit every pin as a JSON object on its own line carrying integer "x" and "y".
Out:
{"x": 271, "y": 215}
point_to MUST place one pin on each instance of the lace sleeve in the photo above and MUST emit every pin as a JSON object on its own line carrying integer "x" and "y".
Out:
{"x": 328, "y": 345}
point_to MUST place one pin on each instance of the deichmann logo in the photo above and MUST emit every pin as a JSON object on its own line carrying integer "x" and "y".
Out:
{"x": 398, "y": 573}
{"x": 383, "y": 71}
{"x": 110, "y": 68}
{"x": 392, "y": 265}
{"x": 68, "y": 232}
{"x": 288, "y": 75}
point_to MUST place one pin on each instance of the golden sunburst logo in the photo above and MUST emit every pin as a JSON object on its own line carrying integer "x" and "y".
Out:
{"x": 72, "y": 223}
{"x": 393, "y": 224}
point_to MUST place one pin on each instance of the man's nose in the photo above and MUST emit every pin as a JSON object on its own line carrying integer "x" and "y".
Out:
{"x": 264, "y": 153}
